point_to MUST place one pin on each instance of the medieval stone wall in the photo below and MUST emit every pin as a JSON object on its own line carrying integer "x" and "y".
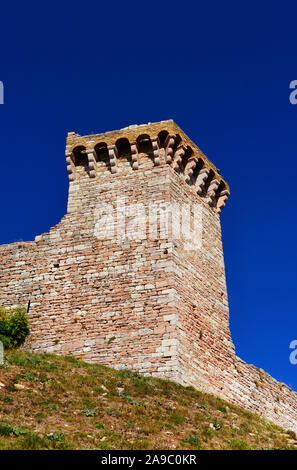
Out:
{"x": 113, "y": 285}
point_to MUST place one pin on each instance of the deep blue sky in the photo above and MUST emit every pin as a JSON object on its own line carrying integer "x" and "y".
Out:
{"x": 221, "y": 70}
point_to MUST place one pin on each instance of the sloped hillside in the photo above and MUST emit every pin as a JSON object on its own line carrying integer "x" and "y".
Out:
{"x": 52, "y": 402}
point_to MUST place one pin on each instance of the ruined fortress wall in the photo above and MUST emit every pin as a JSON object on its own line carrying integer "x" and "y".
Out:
{"x": 153, "y": 303}
{"x": 258, "y": 392}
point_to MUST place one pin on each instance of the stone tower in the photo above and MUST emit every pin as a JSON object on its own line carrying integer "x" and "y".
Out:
{"x": 133, "y": 275}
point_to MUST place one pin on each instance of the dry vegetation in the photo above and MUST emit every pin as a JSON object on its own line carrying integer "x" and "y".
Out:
{"x": 52, "y": 402}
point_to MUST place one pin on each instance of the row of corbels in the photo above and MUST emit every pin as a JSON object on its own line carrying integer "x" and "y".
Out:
{"x": 174, "y": 156}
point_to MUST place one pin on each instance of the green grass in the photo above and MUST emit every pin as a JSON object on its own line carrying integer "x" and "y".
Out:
{"x": 68, "y": 404}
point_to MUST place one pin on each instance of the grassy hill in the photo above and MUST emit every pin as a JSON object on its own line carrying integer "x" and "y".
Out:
{"x": 52, "y": 402}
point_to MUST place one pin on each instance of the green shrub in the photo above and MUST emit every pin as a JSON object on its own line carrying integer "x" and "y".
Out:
{"x": 5, "y": 430}
{"x": 238, "y": 444}
{"x": 56, "y": 437}
{"x": 13, "y": 326}
{"x": 222, "y": 409}
{"x": 176, "y": 418}
{"x": 31, "y": 441}
{"x": 194, "y": 440}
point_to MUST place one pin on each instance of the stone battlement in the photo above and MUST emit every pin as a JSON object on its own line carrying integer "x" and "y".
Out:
{"x": 164, "y": 142}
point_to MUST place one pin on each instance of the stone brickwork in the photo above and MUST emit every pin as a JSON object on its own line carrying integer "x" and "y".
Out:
{"x": 118, "y": 281}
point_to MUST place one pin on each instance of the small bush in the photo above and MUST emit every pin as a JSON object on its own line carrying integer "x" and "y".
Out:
{"x": 113, "y": 412}
{"x": 56, "y": 437}
{"x": 32, "y": 441}
{"x": 238, "y": 444}
{"x": 222, "y": 409}
{"x": 100, "y": 426}
{"x": 207, "y": 433}
{"x": 7, "y": 400}
{"x": 5, "y": 430}
{"x": 13, "y": 326}
{"x": 176, "y": 418}
{"x": 194, "y": 440}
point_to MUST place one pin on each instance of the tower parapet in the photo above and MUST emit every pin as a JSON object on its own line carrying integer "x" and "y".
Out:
{"x": 164, "y": 141}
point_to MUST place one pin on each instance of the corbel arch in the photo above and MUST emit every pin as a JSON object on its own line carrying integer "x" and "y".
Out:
{"x": 79, "y": 155}
{"x": 101, "y": 154}
{"x": 162, "y": 136}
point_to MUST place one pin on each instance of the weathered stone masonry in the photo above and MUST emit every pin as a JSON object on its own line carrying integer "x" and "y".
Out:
{"x": 148, "y": 304}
